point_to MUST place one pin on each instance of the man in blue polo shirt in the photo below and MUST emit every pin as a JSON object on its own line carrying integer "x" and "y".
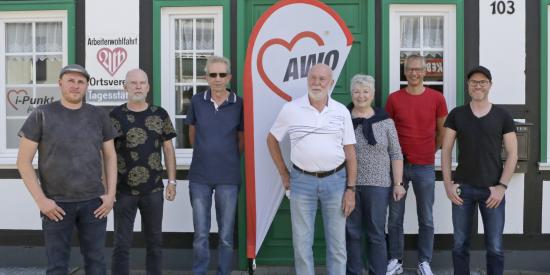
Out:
{"x": 215, "y": 119}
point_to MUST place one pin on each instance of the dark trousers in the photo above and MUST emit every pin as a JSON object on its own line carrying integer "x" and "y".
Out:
{"x": 91, "y": 234}
{"x": 151, "y": 208}
{"x": 493, "y": 225}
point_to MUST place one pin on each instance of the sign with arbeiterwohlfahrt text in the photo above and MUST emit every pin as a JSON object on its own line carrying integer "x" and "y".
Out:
{"x": 112, "y": 48}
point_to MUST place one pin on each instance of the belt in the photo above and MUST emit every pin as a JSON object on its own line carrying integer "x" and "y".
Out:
{"x": 320, "y": 174}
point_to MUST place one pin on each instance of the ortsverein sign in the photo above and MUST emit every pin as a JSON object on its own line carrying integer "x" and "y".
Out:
{"x": 110, "y": 52}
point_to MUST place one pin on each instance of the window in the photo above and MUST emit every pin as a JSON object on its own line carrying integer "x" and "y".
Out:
{"x": 32, "y": 52}
{"x": 190, "y": 35}
{"x": 428, "y": 31}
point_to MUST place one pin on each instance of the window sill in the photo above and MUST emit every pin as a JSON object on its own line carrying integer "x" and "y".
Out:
{"x": 544, "y": 166}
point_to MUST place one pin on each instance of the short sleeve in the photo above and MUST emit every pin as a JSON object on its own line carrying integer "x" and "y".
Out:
{"x": 32, "y": 128}
{"x": 281, "y": 124}
{"x": 116, "y": 123}
{"x": 450, "y": 121}
{"x": 241, "y": 122}
{"x": 191, "y": 118}
{"x": 349, "y": 133}
{"x": 108, "y": 131}
{"x": 509, "y": 124}
{"x": 168, "y": 130}
{"x": 441, "y": 106}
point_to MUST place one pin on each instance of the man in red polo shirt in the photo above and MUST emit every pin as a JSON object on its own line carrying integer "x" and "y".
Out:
{"x": 419, "y": 113}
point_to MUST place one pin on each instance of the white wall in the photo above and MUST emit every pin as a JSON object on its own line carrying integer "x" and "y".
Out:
{"x": 19, "y": 211}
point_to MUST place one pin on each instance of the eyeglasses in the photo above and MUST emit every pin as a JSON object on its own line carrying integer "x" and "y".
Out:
{"x": 482, "y": 83}
{"x": 214, "y": 75}
{"x": 415, "y": 70}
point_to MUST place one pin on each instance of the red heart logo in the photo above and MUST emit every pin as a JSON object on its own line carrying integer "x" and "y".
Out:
{"x": 288, "y": 46}
{"x": 112, "y": 60}
{"x": 14, "y": 92}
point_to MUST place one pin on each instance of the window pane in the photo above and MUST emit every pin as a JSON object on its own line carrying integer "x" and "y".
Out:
{"x": 48, "y": 37}
{"x": 410, "y": 31}
{"x": 18, "y": 37}
{"x": 18, "y": 69}
{"x": 433, "y": 32}
{"x": 205, "y": 34}
{"x": 201, "y": 64}
{"x": 18, "y": 101}
{"x": 47, "y": 95}
{"x": 184, "y": 34}
{"x": 434, "y": 66}
{"x": 12, "y": 128}
{"x": 184, "y": 68}
{"x": 182, "y": 141}
{"x": 47, "y": 68}
{"x": 402, "y": 56}
{"x": 183, "y": 99}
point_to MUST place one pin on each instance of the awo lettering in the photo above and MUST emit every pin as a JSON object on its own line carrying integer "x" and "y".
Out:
{"x": 299, "y": 67}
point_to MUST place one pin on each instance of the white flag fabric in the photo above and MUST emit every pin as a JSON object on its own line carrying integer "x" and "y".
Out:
{"x": 287, "y": 40}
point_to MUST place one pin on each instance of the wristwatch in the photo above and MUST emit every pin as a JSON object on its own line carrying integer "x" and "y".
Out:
{"x": 175, "y": 183}
{"x": 398, "y": 183}
{"x": 350, "y": 187}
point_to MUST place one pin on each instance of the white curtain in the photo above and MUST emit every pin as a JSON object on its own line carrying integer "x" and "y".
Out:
{"x": 48, "y": 37}
{"x": 410, "y": 31}
{"x": 205, "y": 34}
{"x": 184, "y": 34}
{"x": 433, "y": 32}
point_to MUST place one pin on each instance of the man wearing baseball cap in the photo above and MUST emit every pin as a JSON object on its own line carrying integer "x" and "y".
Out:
{"x": 481, "y": 179}
{"x": 74, "y": 140}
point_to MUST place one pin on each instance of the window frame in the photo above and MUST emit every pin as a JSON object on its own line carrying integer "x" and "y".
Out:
{"x": 544, "y": 158}
{"x": 62, "y": 13}
{"x": 167, "y": 48}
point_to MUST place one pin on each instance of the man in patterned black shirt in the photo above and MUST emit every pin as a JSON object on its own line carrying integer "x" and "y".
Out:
{"x": 143, "y": 129}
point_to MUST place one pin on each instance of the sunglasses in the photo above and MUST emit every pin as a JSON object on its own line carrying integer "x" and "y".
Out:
{"x": 214, "y": 75}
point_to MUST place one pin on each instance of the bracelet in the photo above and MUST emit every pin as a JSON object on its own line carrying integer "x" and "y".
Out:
{"x": 503, "y": 185}
{"x": 398, "y": 184}
{"x": 175, "y": 183}
{"x": 350, "y": 187}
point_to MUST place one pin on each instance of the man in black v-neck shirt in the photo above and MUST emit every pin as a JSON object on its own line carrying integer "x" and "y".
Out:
{"x": 480, "y": 179}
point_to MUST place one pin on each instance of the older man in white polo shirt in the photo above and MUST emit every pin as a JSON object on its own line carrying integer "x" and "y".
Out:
{"x": 322, "y": 144}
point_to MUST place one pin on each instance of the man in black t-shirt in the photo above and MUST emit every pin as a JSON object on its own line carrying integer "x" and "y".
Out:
{"x": 142, "y": 130}
{"x": 74, "y": 140}
{"x": 481, "y": 179}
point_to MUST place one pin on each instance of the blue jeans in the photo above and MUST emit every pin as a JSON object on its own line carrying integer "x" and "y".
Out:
{"x": 493, "y": 224}
{"x": 422, "y": 178}
{"x": 91, "y": 234}
{"x": 305, "y": 193}
{"x": 371, "y": 203}
{"x": 225, "y": 196}
{"x": 150, "y": 207}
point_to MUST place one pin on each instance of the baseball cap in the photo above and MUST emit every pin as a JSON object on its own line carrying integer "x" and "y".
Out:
{"x": 74, "y": 68}
{"x": 481, "y": 70}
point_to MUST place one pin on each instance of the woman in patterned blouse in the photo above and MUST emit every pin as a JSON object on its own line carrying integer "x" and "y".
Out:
{"x": 378, "y": 156}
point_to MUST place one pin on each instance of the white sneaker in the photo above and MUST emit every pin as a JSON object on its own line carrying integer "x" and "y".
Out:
{"x": 424, "y": 269}
{"x": 394, "y": 267}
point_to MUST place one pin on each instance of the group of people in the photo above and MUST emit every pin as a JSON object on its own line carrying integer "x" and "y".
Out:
{"x": 90, "y": 162}
{"x": 358, "y": 162}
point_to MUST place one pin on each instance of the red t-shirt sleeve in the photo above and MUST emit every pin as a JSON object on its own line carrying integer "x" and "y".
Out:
{"x": 441, "y": 106}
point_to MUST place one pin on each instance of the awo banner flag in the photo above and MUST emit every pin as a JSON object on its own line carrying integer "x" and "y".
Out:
{"x": 287, "y": 40}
